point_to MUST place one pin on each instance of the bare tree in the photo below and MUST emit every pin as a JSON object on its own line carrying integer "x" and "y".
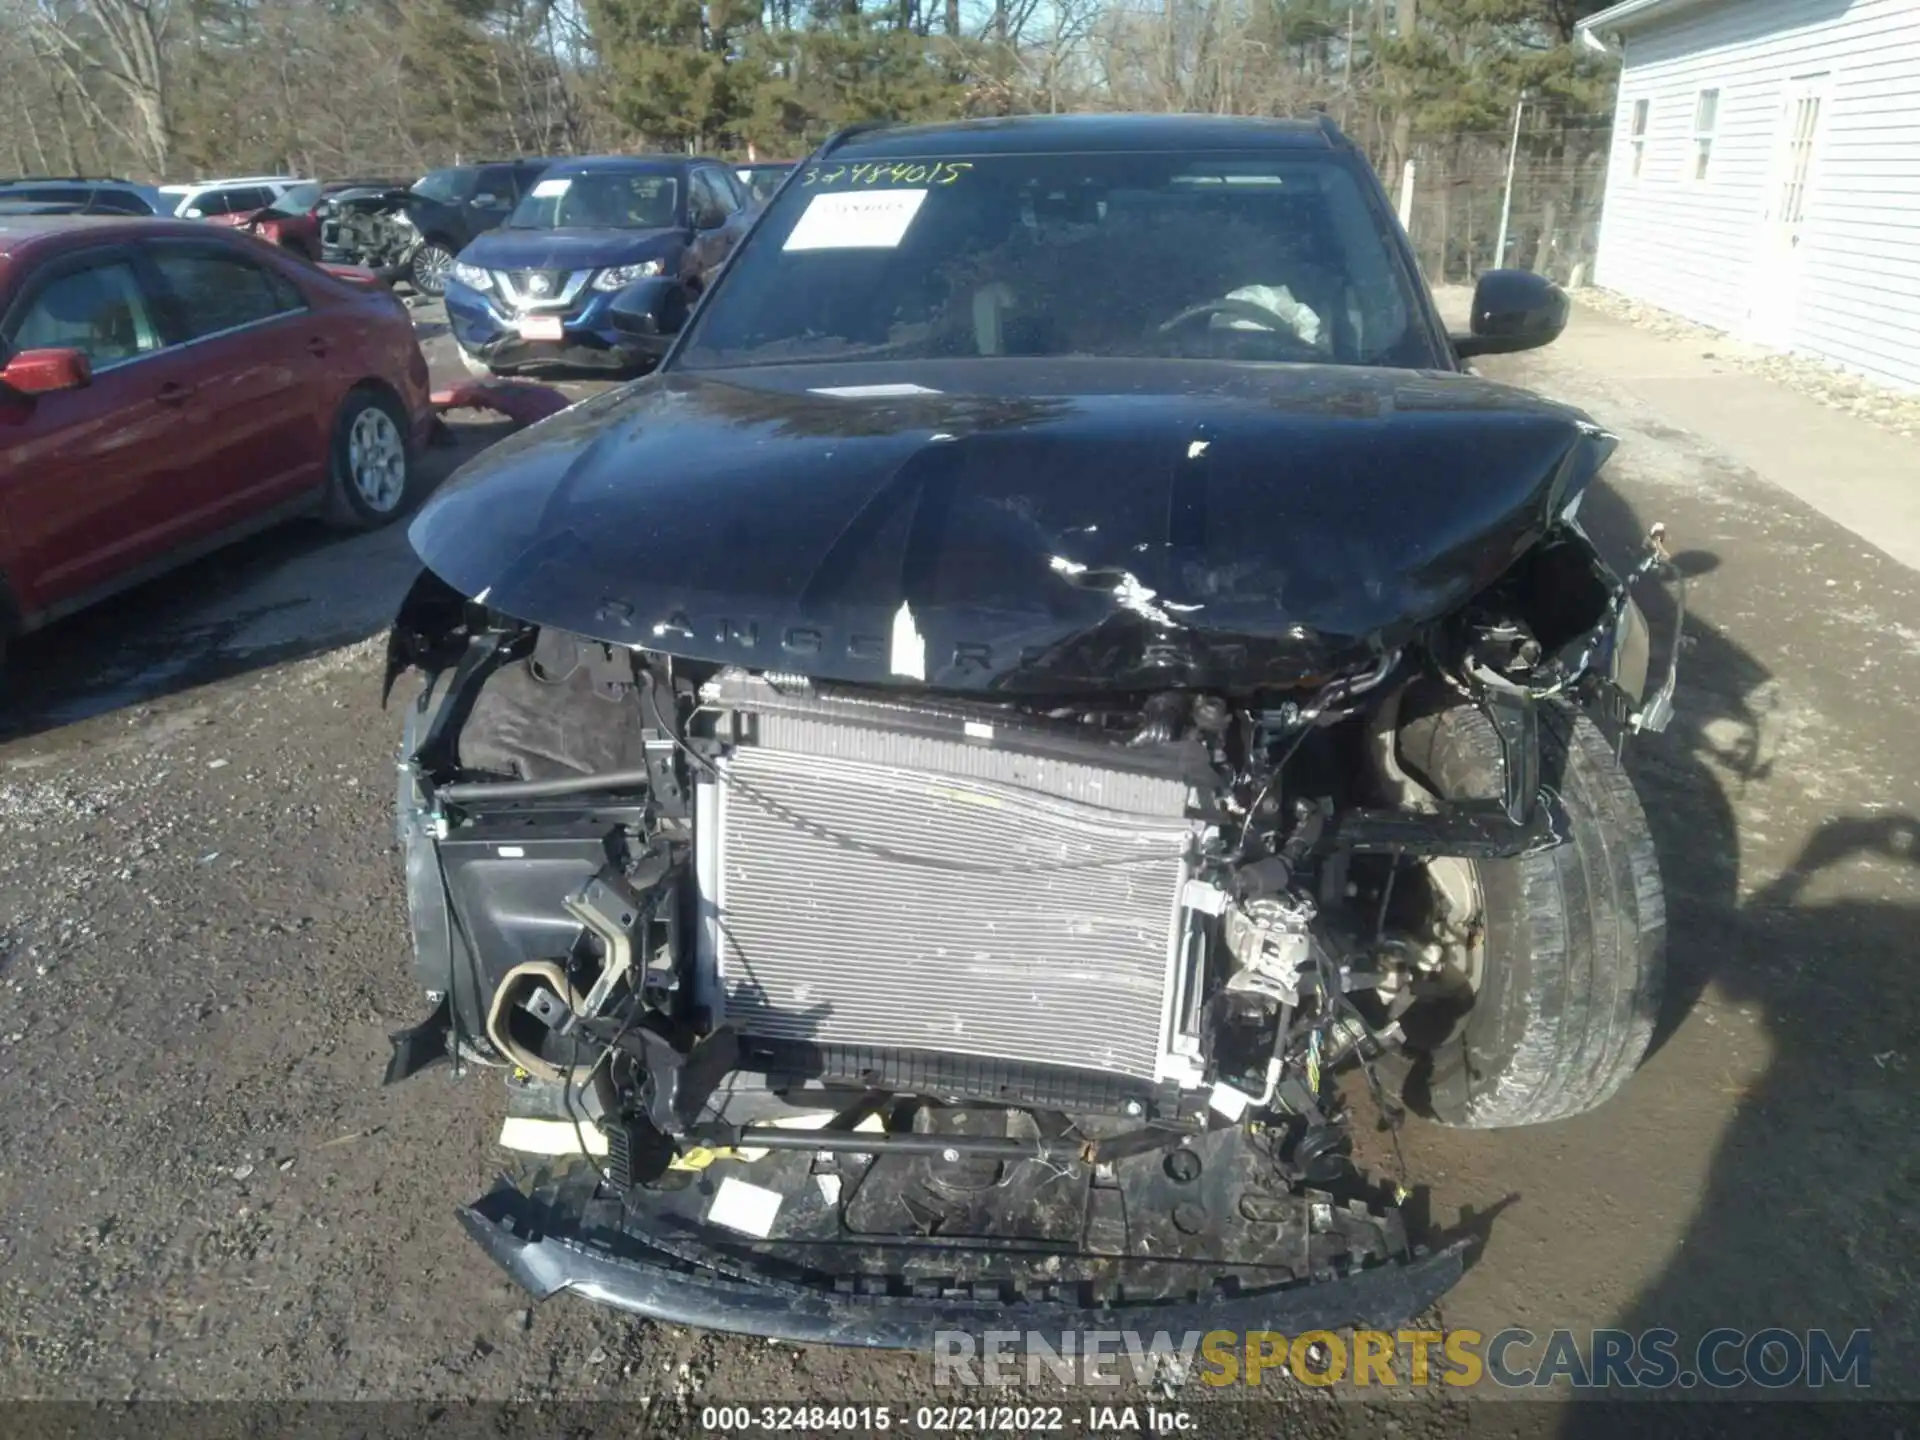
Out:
{"x": 122, "y": 42}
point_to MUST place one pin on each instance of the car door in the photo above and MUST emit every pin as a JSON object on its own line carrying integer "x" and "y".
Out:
{"x": 740, "y": 217}
{"x": 711, "y": 212}
{"x": 260, "y": 437}
{"x": 494, "y": 196}
{"x": 207, "y": 205}
{"x": 85, "y": 474}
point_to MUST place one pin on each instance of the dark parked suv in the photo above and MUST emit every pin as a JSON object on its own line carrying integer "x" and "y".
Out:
{"x": 83, "y": 195}
{"x": 925, "y": 793}
{"x": 543, "y": 288}
{"x": 452, "y": 205}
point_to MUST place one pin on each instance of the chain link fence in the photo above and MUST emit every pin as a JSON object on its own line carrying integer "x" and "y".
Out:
{"x": 1460, "y": 190}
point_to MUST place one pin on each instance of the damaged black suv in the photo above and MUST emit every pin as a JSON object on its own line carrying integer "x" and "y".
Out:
{"x": 943, "y": 798}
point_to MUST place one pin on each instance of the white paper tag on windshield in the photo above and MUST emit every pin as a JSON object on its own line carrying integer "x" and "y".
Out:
{"x": 547, "y": 189}
{"x": 856, "y": 220}
{"x": 871, "y": 392}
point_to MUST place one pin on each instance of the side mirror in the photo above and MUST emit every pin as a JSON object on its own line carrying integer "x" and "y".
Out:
{"x": 1513, "y": 310}
{"x": 650, "y": 312}
{"x": 194, "y": 213}
{"x": 42, "y": 372}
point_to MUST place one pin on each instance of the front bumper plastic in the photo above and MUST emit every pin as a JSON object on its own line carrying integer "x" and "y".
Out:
{"x": 548, "y": 1257}
{"x": 588, "y": 340}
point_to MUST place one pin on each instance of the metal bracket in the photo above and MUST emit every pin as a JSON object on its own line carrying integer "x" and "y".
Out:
{"x": 1515, "y": 719}
{"x": 1656, "y": 712}
{"x": 616, "y": 910}
{"x": 427, "y": 1043}
{"x": 681, "y": 1080}
{"x": 1473, "y": 829}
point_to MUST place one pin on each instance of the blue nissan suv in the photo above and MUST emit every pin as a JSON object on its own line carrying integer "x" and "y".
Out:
{"x": 539, "y": 291}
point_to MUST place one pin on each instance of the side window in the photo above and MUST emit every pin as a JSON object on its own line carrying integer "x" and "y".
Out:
{"x": 720, "y": 184}
{"x": 99, "y": 310}
{"x": 256, "y": 197}
{"x": 497, "y": 181}
{"x": 524, "y": 179}
{"x": 213, "y": 290}
{"x": 701, "y": 200}
{"x": 735, "y": 187}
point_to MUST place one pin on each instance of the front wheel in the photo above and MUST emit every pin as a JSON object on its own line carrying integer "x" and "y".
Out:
{"x": 430, "y": 266}
{"x": 370, "y": 474}
{"x": 1558, "y": 957}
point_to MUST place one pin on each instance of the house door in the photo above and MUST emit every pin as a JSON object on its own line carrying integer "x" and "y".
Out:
{"x": 1780, "y": 258}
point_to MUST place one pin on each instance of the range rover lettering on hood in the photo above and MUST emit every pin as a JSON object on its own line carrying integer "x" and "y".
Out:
{"x": 1077, "y": 525}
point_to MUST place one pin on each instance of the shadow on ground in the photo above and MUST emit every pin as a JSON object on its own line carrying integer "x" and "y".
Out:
{"x": 1807, "y": 1219}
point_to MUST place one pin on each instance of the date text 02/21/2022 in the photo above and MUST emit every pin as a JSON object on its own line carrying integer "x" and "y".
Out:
{"x": 944, "y": 1419}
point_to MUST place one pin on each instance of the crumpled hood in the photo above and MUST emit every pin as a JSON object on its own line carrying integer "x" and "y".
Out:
{"x": 508, "y": 249}
{"x": 1015, "y": 525}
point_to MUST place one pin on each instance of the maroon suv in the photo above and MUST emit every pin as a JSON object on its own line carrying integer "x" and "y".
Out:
{"x": 166, "y": 387}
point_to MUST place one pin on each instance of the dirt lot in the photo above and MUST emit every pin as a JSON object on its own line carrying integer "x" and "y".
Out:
{"x": 206, "y": 1193}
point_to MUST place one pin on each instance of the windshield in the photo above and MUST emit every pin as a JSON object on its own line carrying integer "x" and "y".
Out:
{"x": 599, "y": 200}
{"x": 447, "y": 186}
{"x": 297, "y": 200}
{"x": 1256, "y": 257}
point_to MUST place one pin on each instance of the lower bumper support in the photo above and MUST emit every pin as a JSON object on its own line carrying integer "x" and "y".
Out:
{"x": 653, "y": 1285}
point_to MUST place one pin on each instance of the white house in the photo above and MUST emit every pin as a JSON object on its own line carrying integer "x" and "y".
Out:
{"x": 1765, "y": 177}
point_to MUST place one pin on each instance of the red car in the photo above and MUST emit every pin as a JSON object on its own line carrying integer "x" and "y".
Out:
{"x": 167, "y": 386}
{"x": 291, "y": 222}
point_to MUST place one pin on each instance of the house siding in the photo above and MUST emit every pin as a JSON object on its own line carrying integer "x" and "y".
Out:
{"x": 1691, "y": 247}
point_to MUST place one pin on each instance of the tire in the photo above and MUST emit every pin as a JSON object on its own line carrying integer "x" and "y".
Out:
{"x": 364, "y": 489}
{"x": 429, "y": 266}
{"x": 1572, "y": 942}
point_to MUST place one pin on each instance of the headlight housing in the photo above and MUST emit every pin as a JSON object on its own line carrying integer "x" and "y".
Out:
{"x": 618, "y": 277}
{"x": 472, "y": 276}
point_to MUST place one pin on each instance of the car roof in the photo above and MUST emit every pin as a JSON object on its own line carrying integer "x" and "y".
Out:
{"x": 498, "y": 160}
{"x": 227, "y": 180}
{"x": 70, "y": 182}
{"x": 1041, "y": 134}
{"x": 67, "y": 185}
{"x": 22, "y": 234}
{"x": 631, "y": 163}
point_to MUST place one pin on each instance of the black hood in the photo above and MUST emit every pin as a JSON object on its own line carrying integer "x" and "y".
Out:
{"x": 1026, "y": 526}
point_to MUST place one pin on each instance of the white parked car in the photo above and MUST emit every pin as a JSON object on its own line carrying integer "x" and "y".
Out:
{"x": 239, "y": 195}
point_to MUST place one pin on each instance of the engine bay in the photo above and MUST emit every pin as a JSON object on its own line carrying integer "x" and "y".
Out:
{"x": 904, "y": 992}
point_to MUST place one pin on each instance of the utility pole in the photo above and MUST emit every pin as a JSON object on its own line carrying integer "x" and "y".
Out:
{"x": 1506, "y": 203}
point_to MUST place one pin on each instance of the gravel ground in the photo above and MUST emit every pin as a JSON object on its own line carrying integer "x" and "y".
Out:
{"x": 205, "y": 1192}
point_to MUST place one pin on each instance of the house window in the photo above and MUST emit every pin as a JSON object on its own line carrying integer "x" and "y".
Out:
{"x": 1637, "y": 138}
{"x": 1706, "y": 115}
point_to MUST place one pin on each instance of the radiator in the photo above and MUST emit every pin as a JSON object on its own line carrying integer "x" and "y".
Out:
{"x": 865, "y": 888}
